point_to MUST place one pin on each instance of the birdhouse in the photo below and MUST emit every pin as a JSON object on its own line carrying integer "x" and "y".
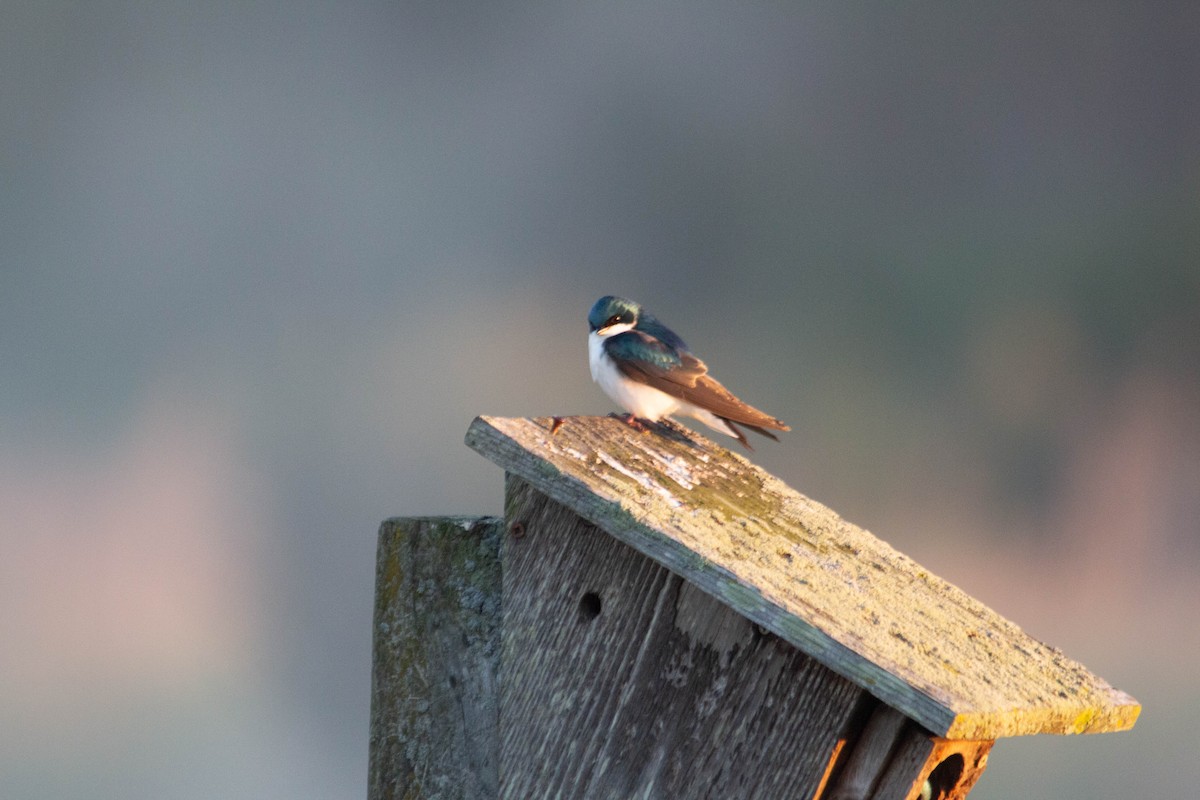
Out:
{"x": 657, "y": 617}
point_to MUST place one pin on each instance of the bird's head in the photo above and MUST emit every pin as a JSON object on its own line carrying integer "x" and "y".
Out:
{"x": 611, "y": 315}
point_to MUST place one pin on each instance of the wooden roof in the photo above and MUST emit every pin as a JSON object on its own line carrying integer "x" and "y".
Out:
{"x": 835, "y": 591}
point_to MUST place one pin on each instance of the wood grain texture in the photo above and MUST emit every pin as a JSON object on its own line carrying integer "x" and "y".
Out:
{"x": 434, "y": 678}
{"x": 621, "y": 680}
{"x": 796, "y": 568}
{"x": 869, "y": 756}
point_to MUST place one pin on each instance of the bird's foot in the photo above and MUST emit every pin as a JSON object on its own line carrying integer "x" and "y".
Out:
{"x": 633, "y": 422}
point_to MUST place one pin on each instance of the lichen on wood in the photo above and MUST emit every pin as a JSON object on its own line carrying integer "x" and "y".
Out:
{"x": 435, "y": 672}
{"x": 795, "y": 567}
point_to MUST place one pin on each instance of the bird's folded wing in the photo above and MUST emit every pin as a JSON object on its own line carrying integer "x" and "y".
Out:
{"x": 682, "y": 375}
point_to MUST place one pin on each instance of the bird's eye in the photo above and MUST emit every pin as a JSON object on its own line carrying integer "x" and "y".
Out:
{"x": 613, "y": 320}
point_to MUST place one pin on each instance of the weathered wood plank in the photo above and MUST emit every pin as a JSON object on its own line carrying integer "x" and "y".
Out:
{"x": 870, "y": 756}
{"x": 795, "y": 567}
{"x": 622, "y": 680}
{"x": 434, "y": 692}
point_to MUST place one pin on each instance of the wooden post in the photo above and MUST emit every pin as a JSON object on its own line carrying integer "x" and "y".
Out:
{"x": 677, "y": 623}
{"x": 434, "y": 695}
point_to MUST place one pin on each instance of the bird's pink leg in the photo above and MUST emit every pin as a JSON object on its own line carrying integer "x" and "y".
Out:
{"x": 632, "y": 421}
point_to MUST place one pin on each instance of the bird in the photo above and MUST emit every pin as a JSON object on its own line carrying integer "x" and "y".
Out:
{"x": 646, "y": 369}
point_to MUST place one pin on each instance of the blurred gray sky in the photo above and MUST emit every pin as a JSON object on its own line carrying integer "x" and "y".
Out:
{"x": 260, "y": 265}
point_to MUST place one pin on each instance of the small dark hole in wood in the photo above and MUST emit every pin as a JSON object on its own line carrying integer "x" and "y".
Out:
{"x": 946, "y": 775}
{"x": 589, "y": 606}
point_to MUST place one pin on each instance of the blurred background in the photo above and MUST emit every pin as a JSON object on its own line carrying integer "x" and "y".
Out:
{"x": 261, "y": 264}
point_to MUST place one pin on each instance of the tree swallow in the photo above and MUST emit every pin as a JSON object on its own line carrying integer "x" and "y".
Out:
{"x": 649, "y": 371}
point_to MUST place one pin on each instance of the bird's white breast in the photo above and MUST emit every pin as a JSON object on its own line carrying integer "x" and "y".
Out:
{"x": 636, "y": 398}
{"x": 595, "y": 354}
